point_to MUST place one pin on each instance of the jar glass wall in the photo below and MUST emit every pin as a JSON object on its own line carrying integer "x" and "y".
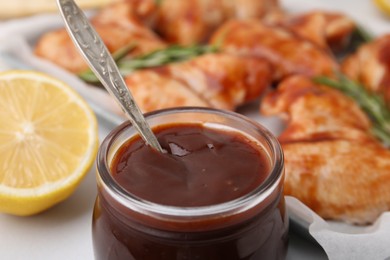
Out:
{"x": 253, "y": 226}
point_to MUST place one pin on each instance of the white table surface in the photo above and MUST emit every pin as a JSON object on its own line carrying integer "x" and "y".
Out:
{"x": 64, "y": 231}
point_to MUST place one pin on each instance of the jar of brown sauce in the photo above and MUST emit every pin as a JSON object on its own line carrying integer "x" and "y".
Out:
{"x": 217, "y": 193}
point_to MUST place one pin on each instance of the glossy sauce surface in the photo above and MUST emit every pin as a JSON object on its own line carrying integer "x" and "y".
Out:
{"x": 202, "y": 166}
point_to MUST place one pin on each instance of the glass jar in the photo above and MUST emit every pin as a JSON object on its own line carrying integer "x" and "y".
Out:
{"x": 254, "y": 226}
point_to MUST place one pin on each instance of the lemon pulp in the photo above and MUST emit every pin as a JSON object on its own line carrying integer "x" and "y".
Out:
{"x": 48, "y": 141}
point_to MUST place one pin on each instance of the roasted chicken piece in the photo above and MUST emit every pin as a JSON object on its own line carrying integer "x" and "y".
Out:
{"x": 193, "y": 21}
{"x": 288, "y": 53}
{"x": 221, "y": 81}
{"x": 370, "y": 65}
{"x": 328, "y": 30}
{"x": 315, "y": 112}
{"x": 119, "y": 25}
{"x": 153, "y": 90}
{"x": 333, "y": 164}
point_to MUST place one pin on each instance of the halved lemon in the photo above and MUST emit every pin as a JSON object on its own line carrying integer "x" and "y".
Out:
{"x": 384, "y": 5}
{"x": 48, "y": 141}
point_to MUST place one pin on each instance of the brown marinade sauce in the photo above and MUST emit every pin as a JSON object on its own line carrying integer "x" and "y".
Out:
{"x": 202, "y": 166}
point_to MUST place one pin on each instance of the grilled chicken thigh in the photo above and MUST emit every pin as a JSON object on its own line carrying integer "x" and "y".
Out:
{"x": 193, "y": 21}
{"x": 118, "y": 25}
{"x": 328, "y": 30}
{"x": 333, "y": 164}
{"x": 288, "y": 53}
{"x": 370, "y": 65}
{"x": 222, "y": 81}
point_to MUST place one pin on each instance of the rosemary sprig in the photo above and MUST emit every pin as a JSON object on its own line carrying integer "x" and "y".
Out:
{"x": 171, "y": 54}
{"x": 373, "y": 104}
{"x": 364, "y": 34}
{"x": 359, "y": 37}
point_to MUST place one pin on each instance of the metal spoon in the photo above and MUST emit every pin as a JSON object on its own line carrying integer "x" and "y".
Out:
{"x": 103, "y": 65}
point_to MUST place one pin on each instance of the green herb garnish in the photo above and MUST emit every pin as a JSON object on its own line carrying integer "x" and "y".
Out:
{"x": 373, "y": 104}
{"x": 171, "y": 54}
{"x": 174, "y": 53}
{"x": 358, "y": 37}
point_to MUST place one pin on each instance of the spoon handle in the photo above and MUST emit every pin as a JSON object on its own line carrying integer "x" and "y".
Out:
{"x": 103, "y": 65}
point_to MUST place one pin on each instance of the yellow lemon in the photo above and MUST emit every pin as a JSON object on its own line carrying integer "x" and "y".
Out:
{"x": 48, "y": 141}
{"x": 384, "y": 5}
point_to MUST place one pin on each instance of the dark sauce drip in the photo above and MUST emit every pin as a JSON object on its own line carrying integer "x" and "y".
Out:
{"x": 202, "y": 166}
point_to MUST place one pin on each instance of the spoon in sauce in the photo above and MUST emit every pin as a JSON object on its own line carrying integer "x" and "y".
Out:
{"x": 103, "y": 65}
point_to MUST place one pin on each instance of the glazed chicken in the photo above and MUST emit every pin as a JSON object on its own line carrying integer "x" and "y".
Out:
{"x": 333, "y": 164}
{"x": 214, "y": 80}
{"x": 193, "y": 21}
{"x": 328, "y": 30}
{"x": 370, "y": 65}
{"x": 128, "y": 22}
{"x": 288, "y": 53}
{"x": 119, "y": 25}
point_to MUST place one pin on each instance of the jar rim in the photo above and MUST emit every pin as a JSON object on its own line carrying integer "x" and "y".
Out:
{"x": 146, "y": 207}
